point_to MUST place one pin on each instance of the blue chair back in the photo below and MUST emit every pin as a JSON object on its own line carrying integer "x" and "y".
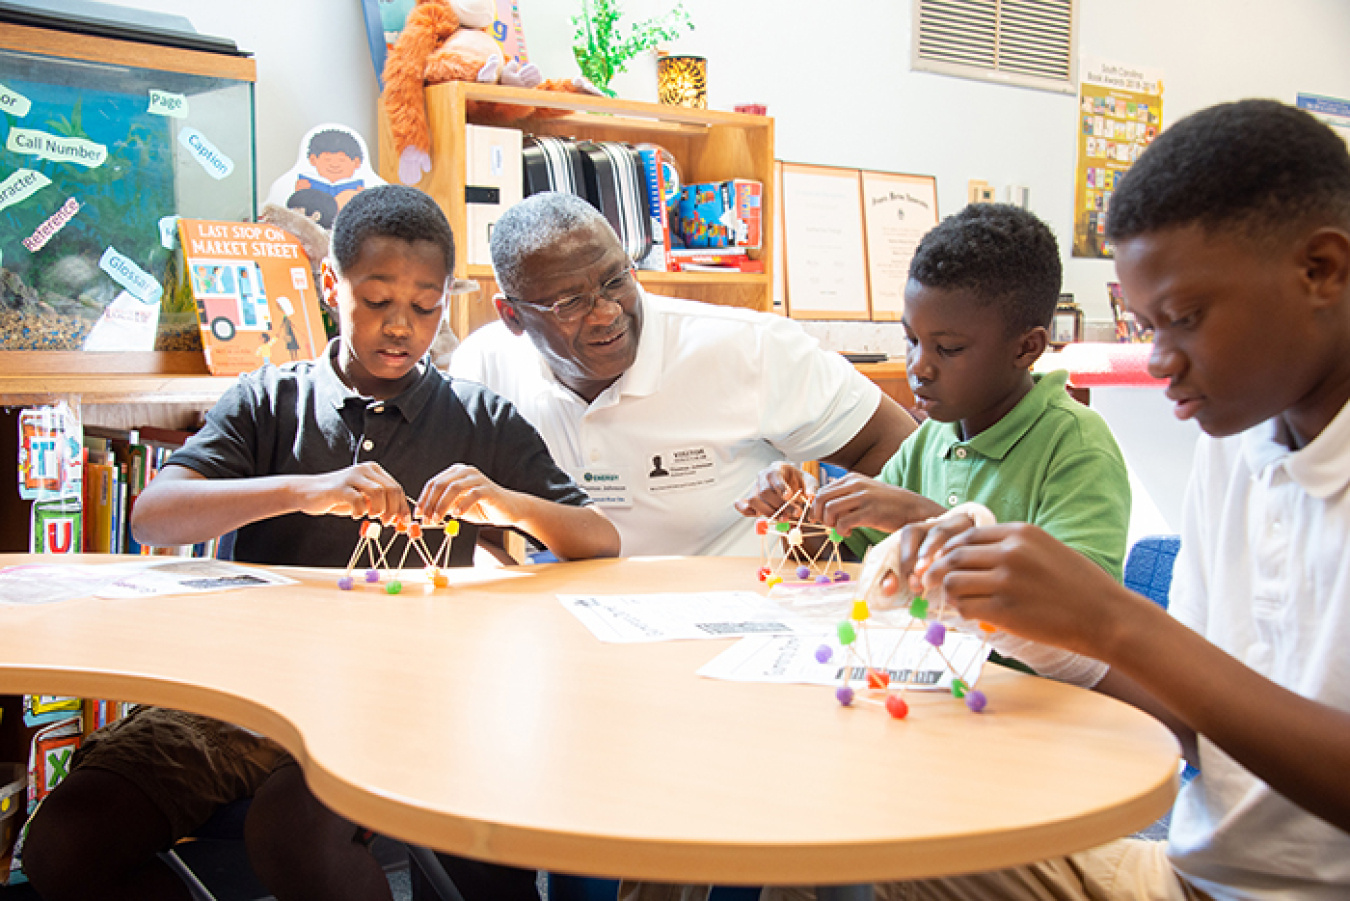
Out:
{"x": 1148, "y": 566}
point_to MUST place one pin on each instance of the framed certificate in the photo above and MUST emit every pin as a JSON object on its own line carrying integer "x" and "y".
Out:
{"x": 824, "y": 259}
{"x": 898, "y": 211}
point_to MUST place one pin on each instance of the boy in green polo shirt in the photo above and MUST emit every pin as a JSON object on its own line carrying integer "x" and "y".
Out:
{"x": 983, "y": 286}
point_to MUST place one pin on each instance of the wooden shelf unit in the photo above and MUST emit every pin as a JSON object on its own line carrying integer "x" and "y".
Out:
{"x": 708, "y": 145}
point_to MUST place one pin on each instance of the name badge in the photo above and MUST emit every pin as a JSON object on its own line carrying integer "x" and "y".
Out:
{"x": 681, "y": 469}
{"x": 605, "y": 486}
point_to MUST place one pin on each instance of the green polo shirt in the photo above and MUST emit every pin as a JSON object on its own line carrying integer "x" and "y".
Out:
{"x": 1050, "y": 461}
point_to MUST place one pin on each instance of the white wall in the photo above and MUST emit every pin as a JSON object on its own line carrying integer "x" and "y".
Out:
{"x": 840, "y": 89}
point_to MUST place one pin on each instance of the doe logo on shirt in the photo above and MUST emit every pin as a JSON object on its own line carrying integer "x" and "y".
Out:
{"x": 682, "y": 469}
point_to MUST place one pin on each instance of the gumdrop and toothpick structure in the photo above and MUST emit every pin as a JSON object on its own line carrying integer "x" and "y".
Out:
{"x": 880, "y": 688}
{"x": 372, "y": 555}
{"x": 785, "y": 547}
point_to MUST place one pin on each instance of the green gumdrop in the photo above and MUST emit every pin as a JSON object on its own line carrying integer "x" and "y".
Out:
{"x": 958, "y": 688}
{"x": 846, "y": 634}
{"x": 783, "y": 526}
{"x": 918, "y": 608}
{"x": 835, "y": 536}
{"x": 394, "y": 587}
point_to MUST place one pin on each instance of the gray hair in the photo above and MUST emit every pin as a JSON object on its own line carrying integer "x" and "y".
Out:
{"x": 531, "y": 225}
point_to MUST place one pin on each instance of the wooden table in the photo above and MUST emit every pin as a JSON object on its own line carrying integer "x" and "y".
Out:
{"x": 485, "y": 720}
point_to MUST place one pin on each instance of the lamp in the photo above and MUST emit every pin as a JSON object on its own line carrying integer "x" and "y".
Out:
{"x": 682, "y": 81}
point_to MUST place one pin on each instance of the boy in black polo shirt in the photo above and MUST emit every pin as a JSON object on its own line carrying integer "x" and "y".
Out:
{"x": 354, "y": 434}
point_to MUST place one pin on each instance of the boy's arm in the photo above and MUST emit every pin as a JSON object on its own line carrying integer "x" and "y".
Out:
{"x": 571, "y": 532}
{"x": 1019, "y": 578}
{"x": 182, "y": 506}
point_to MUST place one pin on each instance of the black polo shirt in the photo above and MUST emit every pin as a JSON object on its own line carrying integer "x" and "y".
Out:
{"x": 301, "y": 419}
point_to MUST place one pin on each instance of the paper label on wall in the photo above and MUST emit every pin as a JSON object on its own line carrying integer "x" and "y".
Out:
{"x": 14, "y": 103}
{"x": 57, "y": 148}
{"x": 24, "y": 183}
{"x": 126, "y": 324}
{"x": 126, "y": 273}
{"x": 53, "y": 224}
{"x": 168, "y": 232}
{"x": 167, "y": 103}
{"x": 216, "y": 163}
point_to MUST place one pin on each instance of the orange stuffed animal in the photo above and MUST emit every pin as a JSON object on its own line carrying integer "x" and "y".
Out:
{"x": 446, "y": 40}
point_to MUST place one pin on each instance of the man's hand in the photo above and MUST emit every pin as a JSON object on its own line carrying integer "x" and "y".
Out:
{"x": 774, "y": 487}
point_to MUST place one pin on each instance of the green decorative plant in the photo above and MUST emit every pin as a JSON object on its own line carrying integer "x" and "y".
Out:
{"x": 602, "y": 50}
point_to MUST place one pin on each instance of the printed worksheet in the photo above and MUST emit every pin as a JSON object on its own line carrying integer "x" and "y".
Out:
{"x": 673, "y": 616}
{"x": 48, "y": 583}
{"x": 902, "y": 654}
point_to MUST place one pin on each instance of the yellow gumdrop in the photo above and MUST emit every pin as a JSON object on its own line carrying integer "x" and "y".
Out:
{"x": 860, "y": 611}
{"x": 773, "y": 580}
{"x": 452, "y": 527}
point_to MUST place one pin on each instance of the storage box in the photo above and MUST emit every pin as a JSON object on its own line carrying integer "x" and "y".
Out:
{"x": 106, "y": 141}
{"x": 721, "y": 214}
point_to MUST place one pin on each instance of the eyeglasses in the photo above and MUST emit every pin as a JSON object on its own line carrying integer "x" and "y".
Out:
{"x": 569, "y": 309}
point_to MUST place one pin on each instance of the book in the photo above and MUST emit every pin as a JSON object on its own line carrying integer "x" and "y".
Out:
{"x": 255, "y": 295}
{"x": 654, "y": 170}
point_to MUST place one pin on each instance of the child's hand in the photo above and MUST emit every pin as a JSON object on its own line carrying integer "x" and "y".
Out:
{"x": 856, "y": 501}
{"x": 775, "y": 485}
{"x": 359, "y": 491}
{"x": 462, "y": 492}
{"x": 1015, "y": 576}
{"x": 921, "y": 542}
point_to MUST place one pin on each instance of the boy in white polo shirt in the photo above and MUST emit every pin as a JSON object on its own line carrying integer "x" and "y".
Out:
{"x": 1232, "y": 236}
{"x": 614, "y": 378}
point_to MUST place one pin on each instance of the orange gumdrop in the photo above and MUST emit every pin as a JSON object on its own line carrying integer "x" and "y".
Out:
{"x": 988, "y": 627}
{"x": 877, "y": 679}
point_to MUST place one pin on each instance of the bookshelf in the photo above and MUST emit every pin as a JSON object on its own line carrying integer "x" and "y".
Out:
{"x": 709, "y": 145}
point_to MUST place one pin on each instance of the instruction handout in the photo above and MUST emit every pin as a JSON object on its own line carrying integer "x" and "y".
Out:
{"x": 681, "y": 615}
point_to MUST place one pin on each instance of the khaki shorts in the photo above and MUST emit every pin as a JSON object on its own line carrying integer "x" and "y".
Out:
{"x": 188, "y": 765}
{"x": 1123, "y": 870}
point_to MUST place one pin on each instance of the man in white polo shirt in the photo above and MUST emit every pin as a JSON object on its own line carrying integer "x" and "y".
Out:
{"x": 663, "y": 410}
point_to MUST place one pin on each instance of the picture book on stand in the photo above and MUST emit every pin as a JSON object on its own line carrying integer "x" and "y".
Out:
{"x": 255, "y": 295}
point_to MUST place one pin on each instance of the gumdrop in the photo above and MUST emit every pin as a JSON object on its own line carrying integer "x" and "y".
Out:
{"x": 803, "y": 572}
{"x": 440, "y": 580}
{"x": 761, "y": 527}
{"x": 844, "y": 695}
{"x": 773, "y": 580}
{"x": 896, "y": 707}
{"x": 345, "y": 583}
{"x": 976, "y": 700}
{"x": 959, "y": 688}
{"x": 860, "y": 611}
{"x": 846, "y": 634}
{"x": 840, "y": 576}
{"x": 877, "y": 679}
{"x": 918, "y": 608}
{"x": 394, "y": 587}
{"x": 936, "y": 634}
{"x": 824, "y": 653}
{"x": 836, "y": 537}
{"x": 822, "y": 580}
{"x": 451, "y": 528}
{"x": 372, "y": 575}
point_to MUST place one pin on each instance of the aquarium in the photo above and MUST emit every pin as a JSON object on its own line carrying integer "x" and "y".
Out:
{"x": 99, "y": 158}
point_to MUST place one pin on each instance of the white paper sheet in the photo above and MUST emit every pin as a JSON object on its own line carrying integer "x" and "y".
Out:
{"x": 43, "y": 583}
{"x": 905, "y": 657}
{"x": 681, "y": 615}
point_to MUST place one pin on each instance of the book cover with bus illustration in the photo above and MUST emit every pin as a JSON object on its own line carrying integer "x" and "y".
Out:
{"x": 255, "y": 295}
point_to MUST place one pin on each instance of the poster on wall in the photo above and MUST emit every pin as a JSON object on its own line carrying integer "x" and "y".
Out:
{"x": 1331, "y": 111}
{"x": 1119, "y": 114}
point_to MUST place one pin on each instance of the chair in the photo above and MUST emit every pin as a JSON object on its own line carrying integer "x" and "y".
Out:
{"x": 1148, "y": 566}
{"x": 217, "y": 849}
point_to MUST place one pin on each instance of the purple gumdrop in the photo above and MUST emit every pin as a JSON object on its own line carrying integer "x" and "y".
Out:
{"x": 803, "y": 572}
{"x": 372, "y": 575}
{"x": 936, "y": 634}
{"x": 345, "y": 583}
{"x": 844, "y": 694}
{"x": 824, "y": 653}
{"x": 822, "y": 580}
{"x": 840, "y": 575}
{"x": 976, "y": 700}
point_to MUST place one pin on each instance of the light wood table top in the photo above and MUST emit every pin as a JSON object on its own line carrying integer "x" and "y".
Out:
{"x": 485, "y": 720}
